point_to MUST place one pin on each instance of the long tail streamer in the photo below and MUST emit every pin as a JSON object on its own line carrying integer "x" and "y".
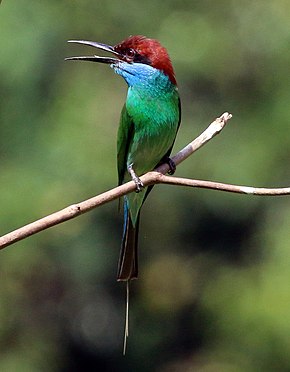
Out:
{"x": 126, "y": 333}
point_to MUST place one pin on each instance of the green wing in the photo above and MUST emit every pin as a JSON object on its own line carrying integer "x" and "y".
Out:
{"x": 125, "y": 135}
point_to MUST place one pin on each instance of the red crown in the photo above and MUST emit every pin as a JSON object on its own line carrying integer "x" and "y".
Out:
{"x": 152, "y": 50}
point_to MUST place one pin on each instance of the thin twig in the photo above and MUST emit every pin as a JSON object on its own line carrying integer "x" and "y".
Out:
{"x": 150, "y": 178}
{"x": 218, "y": 186}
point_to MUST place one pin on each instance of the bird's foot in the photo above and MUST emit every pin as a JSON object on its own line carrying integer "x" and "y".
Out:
{"x": 171, "y": 164}
{"x": 135, "y": 178}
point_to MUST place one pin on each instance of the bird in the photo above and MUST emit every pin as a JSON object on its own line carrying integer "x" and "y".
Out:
{"x": 148, "y": 126}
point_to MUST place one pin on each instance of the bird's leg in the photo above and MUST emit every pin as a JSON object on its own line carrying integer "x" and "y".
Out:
{"x": 135, "y": 178}
{"x": 171, "y": 164}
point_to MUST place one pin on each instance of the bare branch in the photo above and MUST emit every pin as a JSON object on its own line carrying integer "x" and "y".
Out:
{"x": 212, "y": 130}
{"x": 150, "y": 178}
{"x": 262, "y": 191}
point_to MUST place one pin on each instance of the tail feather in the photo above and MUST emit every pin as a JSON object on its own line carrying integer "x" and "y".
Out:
{"x": 128, "y": 261}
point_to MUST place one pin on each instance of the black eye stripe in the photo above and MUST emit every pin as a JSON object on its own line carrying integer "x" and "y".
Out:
{"x": 138, "y": 58}
{"x": 131, "y": 55}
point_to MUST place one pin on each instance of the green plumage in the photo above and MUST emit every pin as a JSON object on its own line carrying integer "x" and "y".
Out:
{"x": 146, "y": 134}
{"x": 148, "y": 126}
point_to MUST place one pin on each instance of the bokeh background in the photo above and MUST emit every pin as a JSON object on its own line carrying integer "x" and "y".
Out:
{"x": 214, "y": 287}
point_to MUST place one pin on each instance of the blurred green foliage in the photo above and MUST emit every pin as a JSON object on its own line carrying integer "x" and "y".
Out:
{"x": 213, "y": 293}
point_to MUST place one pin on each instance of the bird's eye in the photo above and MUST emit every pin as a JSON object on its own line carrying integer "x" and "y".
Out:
{"x": 130, "y": 54}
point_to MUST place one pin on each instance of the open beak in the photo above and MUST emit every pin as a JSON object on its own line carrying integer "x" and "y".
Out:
{"x": 94, "y": 58}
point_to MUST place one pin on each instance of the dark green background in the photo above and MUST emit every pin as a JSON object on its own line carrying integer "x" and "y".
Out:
{"x": 214, "y": 287}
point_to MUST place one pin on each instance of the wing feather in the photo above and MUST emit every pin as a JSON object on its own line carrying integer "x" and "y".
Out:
{"x": 125, "y": 136}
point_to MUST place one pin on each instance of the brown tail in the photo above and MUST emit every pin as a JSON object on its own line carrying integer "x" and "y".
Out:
{"x": 128, "y": 261}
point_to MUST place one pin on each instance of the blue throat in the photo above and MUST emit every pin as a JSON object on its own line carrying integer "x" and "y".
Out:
{"x": 143, "y": 76}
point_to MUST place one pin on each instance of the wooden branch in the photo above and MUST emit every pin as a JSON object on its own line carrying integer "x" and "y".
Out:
{"x": 262, "y": 191}
{"x": 150, "y": 178}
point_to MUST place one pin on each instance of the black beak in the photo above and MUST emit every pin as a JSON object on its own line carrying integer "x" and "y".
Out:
{"x": 107, "y": 48}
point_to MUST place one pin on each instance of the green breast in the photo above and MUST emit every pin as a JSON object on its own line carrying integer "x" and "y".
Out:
{"x": 156, "y": 117}
{"x": 149, "y": 122}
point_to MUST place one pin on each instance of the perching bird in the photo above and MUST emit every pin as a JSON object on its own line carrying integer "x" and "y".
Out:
{"x": 148, "y": 126}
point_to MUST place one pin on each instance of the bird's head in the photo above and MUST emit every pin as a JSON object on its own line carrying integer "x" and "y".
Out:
{"x": 134, "y": 58}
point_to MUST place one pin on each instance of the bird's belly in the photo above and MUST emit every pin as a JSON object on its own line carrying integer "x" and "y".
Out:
{"x": 155, "y": 114}
{"x": 150, "y": 145}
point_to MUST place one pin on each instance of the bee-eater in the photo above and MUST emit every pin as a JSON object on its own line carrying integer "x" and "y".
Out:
{"x": 148, "y": 126}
